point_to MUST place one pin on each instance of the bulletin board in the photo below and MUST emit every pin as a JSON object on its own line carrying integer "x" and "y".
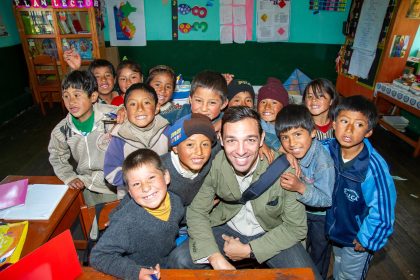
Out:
{"x": 324, "y": 27}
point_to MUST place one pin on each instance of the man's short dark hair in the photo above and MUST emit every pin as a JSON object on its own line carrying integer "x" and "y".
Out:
{"x": 294, "y": 116}
{"x": 83, "y": 80}
{"x": 143, "y": 87}
{"x": 210, "y": 80}
{"x": 101, "y": 63}
{"x": 139, "y": 158}
{"x": 238, "y": 113}
{"x": 358, "y": 103}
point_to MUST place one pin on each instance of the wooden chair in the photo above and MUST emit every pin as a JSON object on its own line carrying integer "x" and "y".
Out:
{"x": 46, "y": 81}
{"x": 94, "y": 219}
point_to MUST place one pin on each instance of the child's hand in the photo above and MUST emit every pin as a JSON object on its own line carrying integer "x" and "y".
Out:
{"x": 294, "y": 164}
{"x": 358, "y": 247}
{"x": 76, "y": 184}
{"x": 121, "y": 115}
{"x": 218, "y": 262}
{"x": 73, "y": 59}
{"x": 228, "y": 77}
{"x": 147, "y": 274}
{"x": 265, "y": 151}
{"x": 292, "y": 183}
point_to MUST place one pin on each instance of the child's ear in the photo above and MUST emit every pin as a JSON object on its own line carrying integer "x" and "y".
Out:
{"x": 167, "y": 177}
{"x": 225, "y": 103}
{"x": 334, "y": 124}
{"x": 262, "y": 138}
{"x": 175, "y": 149}
{"x": 157, "y": 109}
{"x": 313, "y": 133}
{"x": 369, "y": 133}
{"x": 94, "y": 97}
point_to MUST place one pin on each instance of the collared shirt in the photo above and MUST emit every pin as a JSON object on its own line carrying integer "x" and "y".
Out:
{"x": 245, "y": 222}
{"x": 181, "y": 170}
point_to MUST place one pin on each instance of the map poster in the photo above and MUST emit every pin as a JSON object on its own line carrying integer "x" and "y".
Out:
{"x": 126, "y": 22}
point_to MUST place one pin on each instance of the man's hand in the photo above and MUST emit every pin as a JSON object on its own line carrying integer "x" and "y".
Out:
{"x": 73, "y": 59}
{"x": 294, "y": 163}
{"x": 76, "y": 184}
{"x": 266, "y": 152}
{"x": 291, "y": 182}
{"x": 146, "y": 274}
{"x": 358, "y": 247}
{"x": 218, "y": 262}
{"x": 235, "y": 249}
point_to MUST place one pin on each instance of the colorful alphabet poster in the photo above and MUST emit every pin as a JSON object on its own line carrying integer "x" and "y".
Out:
{"x": 327, "y": 5}
{"x": 126, "y": 22}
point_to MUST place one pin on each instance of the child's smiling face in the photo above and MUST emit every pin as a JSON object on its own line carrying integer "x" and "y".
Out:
{"x": 105, "y": 79}
{"x": 141, "y": 108}
{"x": 268, "y": 109}
{"x": 78, "y": 103}
{"x": 207, "y": 102}
{"x": 164, "y": 87}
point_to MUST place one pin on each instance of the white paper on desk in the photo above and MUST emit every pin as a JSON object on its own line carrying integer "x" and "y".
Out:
{"x": 226, "y": 34}
{"x": 225, "y": 14}
{"x": 41, "y": 201}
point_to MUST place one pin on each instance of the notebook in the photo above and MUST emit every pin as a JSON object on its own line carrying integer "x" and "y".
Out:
{"x": 41, "y": 201}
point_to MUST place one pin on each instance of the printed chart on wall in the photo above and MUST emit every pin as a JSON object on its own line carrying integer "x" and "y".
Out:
{"x": 236, "y": 21}
{"x": 273, "y": 20}
{"x": 126, "y": 22}
{"x": 197, "y": 19}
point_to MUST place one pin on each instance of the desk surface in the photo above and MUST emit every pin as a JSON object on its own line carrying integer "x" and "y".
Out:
{"x": 40, "y": 231}
{"x": 244, "y": 274}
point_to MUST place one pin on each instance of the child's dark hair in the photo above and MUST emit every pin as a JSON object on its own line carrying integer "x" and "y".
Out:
{"x": 80, "y": 80}
{"x": 319, "y": 87}
{"x": 101, "y": 63}
{"x": 210, "y": 80}
{"x": 133, "y": 66}
{"x": 143, "y": 87}
{"x": 294, "y": 116}
{"x": 358, "y": 103}
{"x": 161, "y": 69}
{"x": 238, "y": 113}
{"x": 140, "y": 157}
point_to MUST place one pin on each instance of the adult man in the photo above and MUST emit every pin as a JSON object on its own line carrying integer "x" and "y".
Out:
{"x": 268, "y": 228}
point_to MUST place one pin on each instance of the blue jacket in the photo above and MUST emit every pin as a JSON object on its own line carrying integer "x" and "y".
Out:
{"x": 364, "y": 200}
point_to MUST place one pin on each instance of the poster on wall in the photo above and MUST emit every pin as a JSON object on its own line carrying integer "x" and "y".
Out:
{"x": 414, "y": 11}
{"x": 399, "y": 46}
{"x": 126, "y": 22}
{"x": 236, "y": 21}
{"x": 198, "y": 19}
{"x": 273, "y": 20}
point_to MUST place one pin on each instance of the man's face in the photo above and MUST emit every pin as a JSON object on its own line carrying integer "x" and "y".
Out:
{"x": 241, "y": 141}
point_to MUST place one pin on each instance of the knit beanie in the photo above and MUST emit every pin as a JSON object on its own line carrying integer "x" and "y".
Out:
{"x": 274, "y": 89}
{"x": 237, "y": 86}
{"x": 189, "y": 125}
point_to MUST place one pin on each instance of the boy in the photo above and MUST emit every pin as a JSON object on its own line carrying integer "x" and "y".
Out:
{"x": 142, "y": 232}
{"x": 207, "y": 97}
{"x": 143, "y": 129}
{"x": 272, "y": 97}
{"x": 361, "y": 218}
{"x": 104, "y": 72}
{"x": 82, "y": 135}
{"x": 240, "y": 93}
{"x": 296, "y": 131}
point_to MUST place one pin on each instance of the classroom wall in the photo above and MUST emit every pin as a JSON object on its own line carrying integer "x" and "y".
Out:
{"x": 13, "y": 71}
{"x": 416, "y": 44}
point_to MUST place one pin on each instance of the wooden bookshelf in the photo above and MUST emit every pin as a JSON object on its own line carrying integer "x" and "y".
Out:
{"x": 49, "y": 30}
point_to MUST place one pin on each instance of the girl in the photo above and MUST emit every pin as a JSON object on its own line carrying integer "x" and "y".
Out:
{"x": 320, "y": 97}
{"x": 128, "y": 73}
{"x": 162, "y": 78}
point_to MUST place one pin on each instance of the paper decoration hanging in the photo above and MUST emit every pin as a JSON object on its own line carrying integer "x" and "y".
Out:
{"x": 327, "y": 5}
{"x": 273, "y": 20}
{"x": 236, "y": 21}
{"x": 126, "y": 22}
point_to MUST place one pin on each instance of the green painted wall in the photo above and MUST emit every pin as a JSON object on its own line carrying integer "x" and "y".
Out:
{"x": 416, "y": 44}
{"x": 13, "y": 71}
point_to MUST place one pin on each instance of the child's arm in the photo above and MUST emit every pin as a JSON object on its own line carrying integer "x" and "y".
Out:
{"x": 59, "y": 159}
{"x": 380, "y": 196}
{"x": 228, "y": 77}
{"x": 114, "y": 158}
{"x": 73, "y": 59}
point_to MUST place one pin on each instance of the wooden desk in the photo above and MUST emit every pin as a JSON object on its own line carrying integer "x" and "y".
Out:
{"x": 401, "y": 99}
{"x": 67, "y": 211}
{"x": 244, "y": 274}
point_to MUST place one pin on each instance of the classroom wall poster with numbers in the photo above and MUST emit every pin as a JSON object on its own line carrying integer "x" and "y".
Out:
{"x": 126, "y": 22}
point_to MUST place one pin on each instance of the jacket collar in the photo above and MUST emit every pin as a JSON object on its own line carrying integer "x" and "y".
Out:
{"x": 357, "y": 172}
{"x": 307, "y": 159}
